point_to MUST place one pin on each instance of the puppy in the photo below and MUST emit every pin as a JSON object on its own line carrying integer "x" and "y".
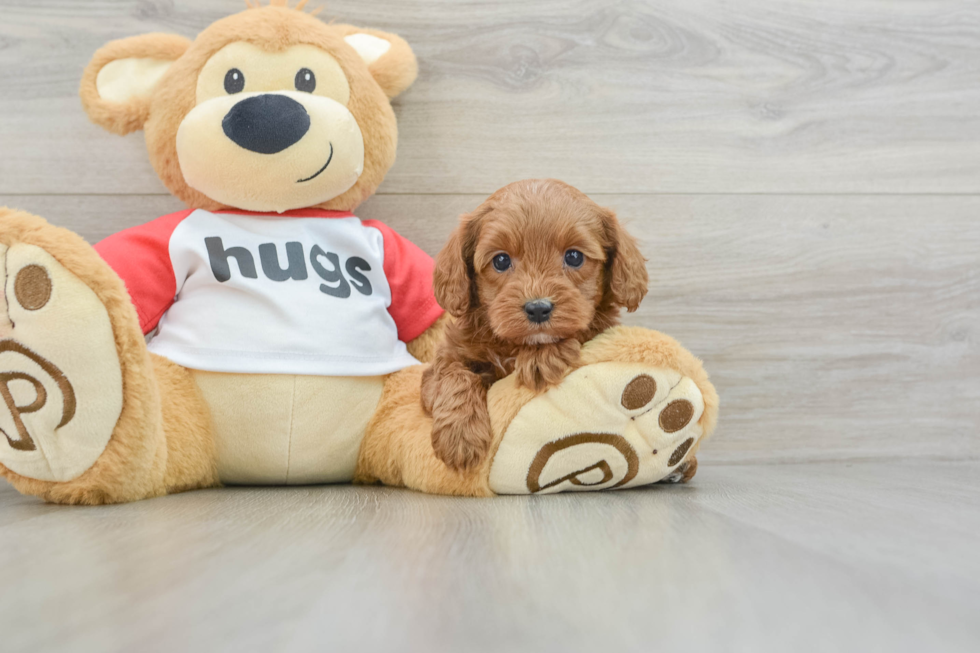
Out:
{"x": 537, "y": 270}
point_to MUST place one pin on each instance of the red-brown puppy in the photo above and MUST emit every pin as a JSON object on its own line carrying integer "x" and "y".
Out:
{"x": 537, "y": 270}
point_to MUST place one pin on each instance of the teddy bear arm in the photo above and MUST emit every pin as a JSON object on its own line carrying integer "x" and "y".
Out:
{"x": 423, "y": 348}
{"x": 140, "y": 256}
{"x": 634, "y": 413}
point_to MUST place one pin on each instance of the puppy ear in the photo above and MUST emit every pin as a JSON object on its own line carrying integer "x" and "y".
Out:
{"x": 626, "y": 267}
{"x": 389, "y": 58}
{"x": 453, "y": 276}
{"x": 120, "y": 78}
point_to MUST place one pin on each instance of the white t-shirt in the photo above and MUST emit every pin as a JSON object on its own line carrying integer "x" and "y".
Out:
{"x": 306, "y": 292}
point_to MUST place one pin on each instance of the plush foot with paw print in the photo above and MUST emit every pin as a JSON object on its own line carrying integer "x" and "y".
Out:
{"x": 635, "y": 413}
{"x": 87, "y": 415}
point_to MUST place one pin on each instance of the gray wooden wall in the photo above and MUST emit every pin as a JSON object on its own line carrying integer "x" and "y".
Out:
{"x": 805, "y": 178}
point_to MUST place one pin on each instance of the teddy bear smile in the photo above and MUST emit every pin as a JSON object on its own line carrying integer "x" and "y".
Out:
{"x": 317, "y": 173}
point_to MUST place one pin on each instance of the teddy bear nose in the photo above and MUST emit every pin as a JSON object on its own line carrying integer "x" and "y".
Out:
{"x": 266, "y": 123}
{"x": 538, "y": 310}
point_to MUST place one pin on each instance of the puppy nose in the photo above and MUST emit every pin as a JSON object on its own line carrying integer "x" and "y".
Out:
{"x": 538, "y": 310}
{"x": 266, "y": 123}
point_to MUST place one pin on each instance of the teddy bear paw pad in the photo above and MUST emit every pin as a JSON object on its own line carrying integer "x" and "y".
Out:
{"x": 606, "y": 426}
{"x": 60, "y": 379}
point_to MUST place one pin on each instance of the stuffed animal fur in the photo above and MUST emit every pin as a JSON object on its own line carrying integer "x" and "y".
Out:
{"x": 288, "y": 332}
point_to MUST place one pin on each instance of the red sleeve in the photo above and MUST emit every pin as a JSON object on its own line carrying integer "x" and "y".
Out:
{"x": 141, "y": 257}
{"x": 409, "y": 272}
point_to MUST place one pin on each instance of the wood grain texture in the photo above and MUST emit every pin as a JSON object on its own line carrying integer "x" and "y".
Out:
{"x": 621, "y": 97}
{"x": 805, "y": 180}
{"x": 823, "y": 557}
{"x": 835, "y": 328}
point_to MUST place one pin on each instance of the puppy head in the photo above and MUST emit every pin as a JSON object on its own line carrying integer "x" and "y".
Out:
{"x": 539, "y": 261}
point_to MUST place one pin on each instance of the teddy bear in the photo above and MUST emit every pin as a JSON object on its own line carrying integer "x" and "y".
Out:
{"x": 287, "y": 337}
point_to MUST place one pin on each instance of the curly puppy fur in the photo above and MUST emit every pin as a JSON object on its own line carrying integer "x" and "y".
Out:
{"x": 535, "y": 224}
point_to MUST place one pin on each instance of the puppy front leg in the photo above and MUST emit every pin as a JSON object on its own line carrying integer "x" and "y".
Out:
{"x": 456, "y": 398}
{"x": 542, "y": 366}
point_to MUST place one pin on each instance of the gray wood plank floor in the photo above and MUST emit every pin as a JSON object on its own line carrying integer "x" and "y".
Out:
{"x": 809, "y": 557}
{"x": 805, "y": 179}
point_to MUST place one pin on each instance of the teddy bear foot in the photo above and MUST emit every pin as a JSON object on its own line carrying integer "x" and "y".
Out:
{"x": 607, "y": 426}
{"x": 61, "y": 390}
{"x": 87, "y": 414}
{"x": 633, "y": 415}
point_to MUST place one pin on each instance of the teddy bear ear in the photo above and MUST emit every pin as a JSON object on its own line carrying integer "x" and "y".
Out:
{"x": 389, "y": 58}
{"x": 120, "y": 78}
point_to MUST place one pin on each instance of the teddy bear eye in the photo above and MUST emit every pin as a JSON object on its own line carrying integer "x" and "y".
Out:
{"x": 305, "y": 80}
{"x": 234, "y": 81}
{"x": 501, "y": 262}
{"x": 574, "y": 258}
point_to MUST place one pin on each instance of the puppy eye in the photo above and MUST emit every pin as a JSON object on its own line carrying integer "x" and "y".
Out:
{"x": 305, "y": 80}
{"x": 501, "y": 262}
{"x": 574, "y": 258}
{"x": 234, "y": 81}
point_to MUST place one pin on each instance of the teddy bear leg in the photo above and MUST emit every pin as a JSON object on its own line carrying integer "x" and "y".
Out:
{"x": 397, "y": 445}
{"x": 635, "y": 413}
{"x": 187, "y": 427}
{"x": 81, "y": 412}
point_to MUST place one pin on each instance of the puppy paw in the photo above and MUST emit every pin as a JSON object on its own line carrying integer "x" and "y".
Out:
{"x": 463, "y": 442}
{"x": 544, "y": 366}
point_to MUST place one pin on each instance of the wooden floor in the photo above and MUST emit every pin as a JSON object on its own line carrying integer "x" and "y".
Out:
{"x": 805, "y": 179}
{"x": 806, "y": 557}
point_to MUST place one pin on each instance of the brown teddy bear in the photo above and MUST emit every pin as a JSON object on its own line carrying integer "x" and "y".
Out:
{"x": 288, "y": 331}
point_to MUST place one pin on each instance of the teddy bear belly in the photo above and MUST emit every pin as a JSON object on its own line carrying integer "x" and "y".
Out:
{"x": 278, "y": 429}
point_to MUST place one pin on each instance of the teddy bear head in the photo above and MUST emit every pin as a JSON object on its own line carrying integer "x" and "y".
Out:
{"x": 267, "y": 110}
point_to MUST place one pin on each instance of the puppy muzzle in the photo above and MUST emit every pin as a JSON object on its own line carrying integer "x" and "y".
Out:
{"x": 538, "y": 311}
